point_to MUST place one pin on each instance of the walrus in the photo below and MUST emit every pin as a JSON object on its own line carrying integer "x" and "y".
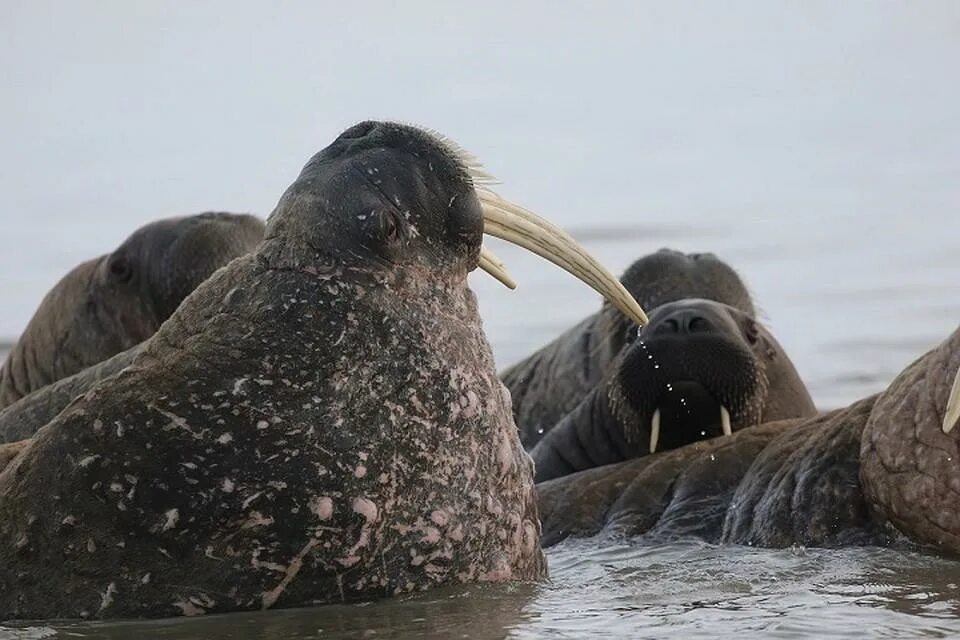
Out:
{"x": 319, "y": 421}
{"x": 113, "y": 302}
{"x": 882, "y": 471}
{"x": 24, "y": 417}
{"x": 698, "y": 370}
{"x": 551, "y": 382}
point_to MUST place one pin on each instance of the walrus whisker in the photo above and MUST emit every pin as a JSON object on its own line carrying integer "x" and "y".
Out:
{"x": 493, "y": 265}
{"x": 511, "y": 222}
{"x": 952, "y": 414}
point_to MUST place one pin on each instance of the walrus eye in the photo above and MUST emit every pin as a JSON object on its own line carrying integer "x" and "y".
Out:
{"x": 752, "y": 331}
{"x": 120, "y": 269}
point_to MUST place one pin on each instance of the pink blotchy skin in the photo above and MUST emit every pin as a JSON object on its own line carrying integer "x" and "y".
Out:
{"x": 344, "y": 388}
{"x": 418, "y": 499}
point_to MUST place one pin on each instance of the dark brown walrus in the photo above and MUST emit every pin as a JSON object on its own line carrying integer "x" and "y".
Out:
{"x": 550, "y": 383}
{"x": 319, "y": 421}
{"x": 111, "y": 303}
{"x": 698, "y": 370}
{"x": 883, "y": 470}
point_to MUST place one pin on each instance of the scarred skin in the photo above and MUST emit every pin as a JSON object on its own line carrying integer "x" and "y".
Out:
{"x": 694, "y": 356}
{"x": 319, "y": 421}
{"x": 111, "y": 303}
{"x": 25, "y": 416}
{"x": 550, "y": 383}
{"x": 877, "y": 472}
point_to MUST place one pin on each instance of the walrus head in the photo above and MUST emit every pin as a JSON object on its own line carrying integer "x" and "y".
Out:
{"x": 109, "y": 304}
{"x": 702, "y": 369}
{"x": 395, "y": 223}
{"x": 321, "y": 420}
{"x": 667, "y": 276}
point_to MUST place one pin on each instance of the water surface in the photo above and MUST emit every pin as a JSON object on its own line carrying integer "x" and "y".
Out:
{"x": 815, "y": 146}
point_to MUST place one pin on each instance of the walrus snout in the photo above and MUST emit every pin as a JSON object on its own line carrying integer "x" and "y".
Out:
{"x": 684, "y": 322}
{"x": 691, "y": 374}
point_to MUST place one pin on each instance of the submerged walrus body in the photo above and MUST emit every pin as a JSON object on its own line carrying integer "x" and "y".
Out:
{"x": 111, "y": 303}
{"x": 700, "y": 369}
{"x": 883, "y": 470}
{"x": 319, "y": 421}
{"x": 550, "y": 383}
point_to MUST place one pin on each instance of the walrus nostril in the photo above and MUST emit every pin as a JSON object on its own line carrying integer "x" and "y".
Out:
{"x": 697, "y": 324}
{"x": 684, "y": 322}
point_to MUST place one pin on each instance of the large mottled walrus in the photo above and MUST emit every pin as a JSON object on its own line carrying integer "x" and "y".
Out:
{"x": 319, "y": 421}
{"x": 699, "y": 369}
{"x": 111, "y": 303}
{"x": 550, "y": 383}
{"x": 884, "y": 469}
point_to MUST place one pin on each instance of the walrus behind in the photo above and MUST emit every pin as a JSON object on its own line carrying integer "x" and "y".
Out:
{"x": 550, "y": 383}
{"x": 882, "y": 471}
{"x": 699, "y": 369}
{"x": 319, "y": 421}
{"x": 111, "y": 303}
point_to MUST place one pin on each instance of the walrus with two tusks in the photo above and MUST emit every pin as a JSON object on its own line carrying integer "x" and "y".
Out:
{"x": 319, "y": 421}
{"x": 882, "y": 471}
{"x": 111, "y": 303}
{"x": 550, "y": 383}
{"x": 699, "y": 369}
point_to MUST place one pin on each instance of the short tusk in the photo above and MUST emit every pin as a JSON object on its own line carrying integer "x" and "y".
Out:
{"x": 654, "y": 431}
{"x": 508, "y": 221}
{"x": 495, "y": 267}
{"x": 952, "y": 414}
{"x": 725, "y": 421}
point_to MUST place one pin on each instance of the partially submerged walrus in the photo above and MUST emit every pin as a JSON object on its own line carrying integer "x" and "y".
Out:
{"x": 113, "y": 302}
{"x": 883, "y": 470}
{"x": 319, "y": 421}
{"x": 699, "y": 369}
{"x": 550, "y": 383}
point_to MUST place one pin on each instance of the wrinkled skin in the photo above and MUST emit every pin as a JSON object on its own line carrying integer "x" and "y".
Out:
{"x": 877, "y": 472}
{"x": 25, "y": 416}
{"x": 111, "y": 303}
{"x": 319, "y": 421}
{"x": 550, "y": 383}
{"x": 693, "y": 357}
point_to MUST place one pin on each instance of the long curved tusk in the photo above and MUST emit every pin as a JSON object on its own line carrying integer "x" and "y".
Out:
{"x": 952, "y": 415}
{"x": 495, "y": 267}
{"x": 511, "y": 222}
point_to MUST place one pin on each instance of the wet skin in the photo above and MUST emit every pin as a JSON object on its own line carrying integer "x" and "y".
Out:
{"x": 550, "y": 383}
{"x": 881, "y": 471}
{"x": 111, "y": 303}
{"x": 319, "y": 421}
{"x": 698, "y": 370}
